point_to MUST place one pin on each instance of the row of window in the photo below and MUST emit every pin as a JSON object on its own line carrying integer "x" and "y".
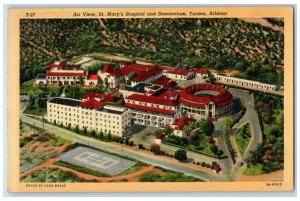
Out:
{"x": 247, "y": 83}
{"x": 115, "y": 132}
{"x": 148, "y": 104}
{"x": 68, "y": 77}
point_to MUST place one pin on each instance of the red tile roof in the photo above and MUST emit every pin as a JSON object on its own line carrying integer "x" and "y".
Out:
{"x": 62, "y": 64}
{"x": 153, "y": 99}
{"x": 92, "y": 104}
{"x": 178, "y": 72}
{"x": 180, "y": 123}
{"x": 150, "y": 109}
{"x": 187, "y": 95}
{"x": 166, "y": 67}
{"x": 160, "y": 136}
{"x": 166, "y": 94}
{"x": 110, "y": 68}
{"x": 142, "y": 71}
{"x": 93, "y": 77}
{"x": 75, "y": 74}
{"x": 202, "y": 71}
{"x": 165, "y": 81}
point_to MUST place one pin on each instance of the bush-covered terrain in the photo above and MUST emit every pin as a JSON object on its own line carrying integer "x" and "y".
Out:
{"x": 51, "y": 175}
{"x": 170, "y": 177}
{"x": 197, "y": 138}
{"x": 254, "y": 50}
{"x": 269, "y": 156}
{"x": 37, "y": 146}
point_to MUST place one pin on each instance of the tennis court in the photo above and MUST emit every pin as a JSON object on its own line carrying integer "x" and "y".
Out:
{"x": 97, "y": 160}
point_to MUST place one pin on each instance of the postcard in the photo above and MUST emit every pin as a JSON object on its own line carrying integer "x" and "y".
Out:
{"x": 150, "y": 99}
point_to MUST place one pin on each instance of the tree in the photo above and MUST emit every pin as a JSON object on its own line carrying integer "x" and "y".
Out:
{"x": 109, "y": 136}
{"x": 169, "y": 131}
{"x": 211, "y": 79}
{"x": 93, "y": 133}
{"x": 187, "y": 129}
{"x": 84, "y": 130}
{"x": 180, "y": 155}
{"x": 155, "y": 148}
{"x": 60, "y": 90}
{"x": 106, "y": 82}
{"x": 214, "y": 148}
{"x": 39, "y": 101}
{"x": 206, "y": 126}
{"x": 28, "y": 74}
{"x": 194, "y": 136}
{"x": 122, "y": 80}
{"x": 31, "y": 100}
{"x": 228, "y": 123}
{"x": 77, "y": 129}
{"x": 81, "y": 80}
{"x": 99, "y": 81}
{"x": 220, "y": 153}
{"x": 117, "y": 67}
{"x": 184, "y": 140}
{"x": 76, "y": 93}
{"x": 131, "y": 75}
{"x": 51, "y": 94}
{"x": 101, "y": 135}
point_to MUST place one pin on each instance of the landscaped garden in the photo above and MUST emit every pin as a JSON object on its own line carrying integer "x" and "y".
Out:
{"x": 197, "y": 138}
{"x": 268, "y": 156}
{"x": 51, "y": 175}
{"x": 242, "y": 138}
{"x": 37, "y": 146}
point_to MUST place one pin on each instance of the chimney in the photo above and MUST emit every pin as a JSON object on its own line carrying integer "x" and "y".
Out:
{"x": 181, "y": 63}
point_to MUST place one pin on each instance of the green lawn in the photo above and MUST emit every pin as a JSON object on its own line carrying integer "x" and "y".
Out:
{"x": 35, "y": 111}
{"x": 253, "y": 170}
{"x": 169, "y": 177}
{"x": 242, "y": 138}
{"x": 132, "y": 169}
{"x": 207, "y": 149}
{"x": 28, "y": 86}
{"x": 81, "y": 169}
{"x": 75, "y": 60}
{"x": 202, "y": 146}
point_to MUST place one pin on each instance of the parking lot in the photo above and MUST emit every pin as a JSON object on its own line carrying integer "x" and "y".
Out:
{"x": 97, "y": 160}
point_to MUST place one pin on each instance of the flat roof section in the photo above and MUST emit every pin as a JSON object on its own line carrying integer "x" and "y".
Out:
{"x": 64, "y": 101}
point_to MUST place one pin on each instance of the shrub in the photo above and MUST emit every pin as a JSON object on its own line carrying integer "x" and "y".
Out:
{"x": 155, "y": 148}
{"x": 140, "y": 146}
{"x": 121, "y": 141}
{"x": 180, "y": 155}
{"x": 131, "y": 143}
{"x": 194, "y": 136}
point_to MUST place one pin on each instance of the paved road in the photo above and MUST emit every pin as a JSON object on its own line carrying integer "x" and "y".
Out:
{"x": 116, "y": 149}
{"x": 250, "y": 116}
